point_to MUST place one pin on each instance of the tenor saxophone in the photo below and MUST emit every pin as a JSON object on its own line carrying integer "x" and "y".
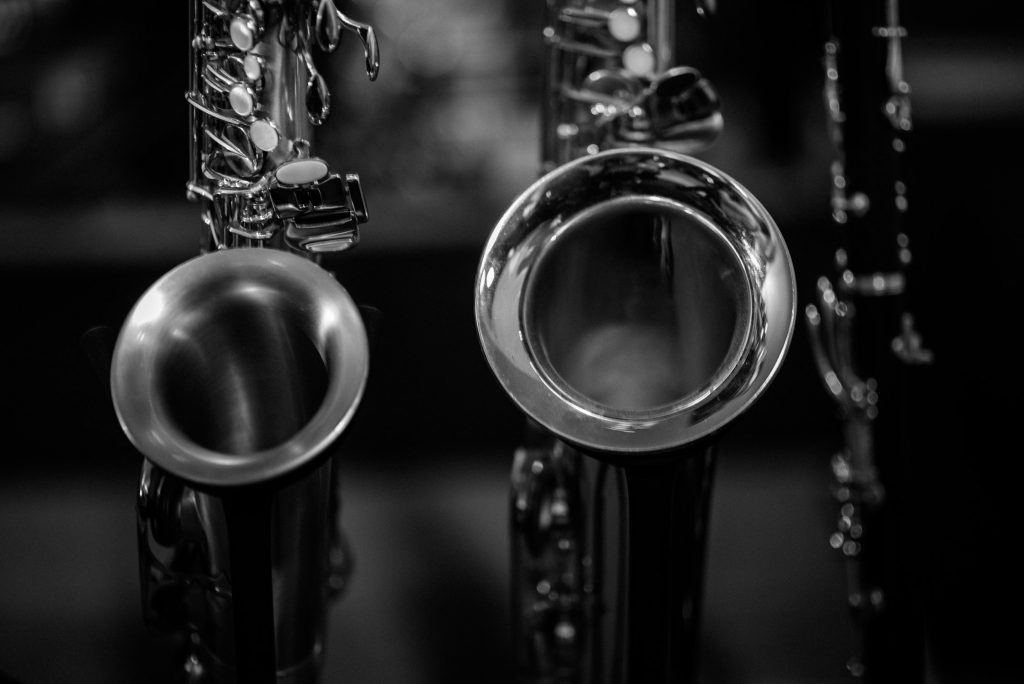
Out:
{"x": 236, "y": 372}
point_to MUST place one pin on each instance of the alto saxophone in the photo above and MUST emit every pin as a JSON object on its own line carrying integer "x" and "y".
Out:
{"x": 632, "y": 302}
{"x": 237, "y": 371}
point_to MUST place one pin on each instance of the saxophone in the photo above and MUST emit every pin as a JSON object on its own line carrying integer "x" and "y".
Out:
{"x": 236, "y": 373}
{"x": 632, "y": 302}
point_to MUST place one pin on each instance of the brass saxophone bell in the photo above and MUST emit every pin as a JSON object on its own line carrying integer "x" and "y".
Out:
{"x": 635, "y": 301}
{"x": 239, "y": 366}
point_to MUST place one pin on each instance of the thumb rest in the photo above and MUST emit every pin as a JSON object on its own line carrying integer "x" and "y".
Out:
{"x": 632, "y": 302}
{"x": 237, "y": 372}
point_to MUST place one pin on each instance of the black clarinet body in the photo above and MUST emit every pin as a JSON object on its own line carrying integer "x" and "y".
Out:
{"x": 865, "y": 343}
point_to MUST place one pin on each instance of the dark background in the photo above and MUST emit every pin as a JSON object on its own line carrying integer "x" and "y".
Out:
{"x": 93, "y": 160}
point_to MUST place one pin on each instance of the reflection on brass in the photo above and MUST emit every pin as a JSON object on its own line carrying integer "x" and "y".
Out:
{"x": 632, "y": 302}
{"x": 236, "y": 372}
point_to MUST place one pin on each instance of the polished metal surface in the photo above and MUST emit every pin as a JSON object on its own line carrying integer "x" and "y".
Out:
{"x": 197, "y": 566}
{"x": 635, "y": 301}
{"x": 632, "y": 302}
{"x": 237, "y": 371}
{"x": 611, "y": 81}
{"x": 255, "y": 95}
{"x": 239, "y": 366}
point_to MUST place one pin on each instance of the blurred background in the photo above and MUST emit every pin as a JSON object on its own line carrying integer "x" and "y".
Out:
{"x": 93, "y": 163}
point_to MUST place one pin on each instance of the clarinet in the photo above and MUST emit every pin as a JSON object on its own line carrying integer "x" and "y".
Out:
{"x": 864, "y": 340}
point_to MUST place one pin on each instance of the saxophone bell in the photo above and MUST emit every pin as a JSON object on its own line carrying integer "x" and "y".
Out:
{"x": 633, "y": 302}
{"x": 237, "y": 372}
{"x": 239, "y": 366}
